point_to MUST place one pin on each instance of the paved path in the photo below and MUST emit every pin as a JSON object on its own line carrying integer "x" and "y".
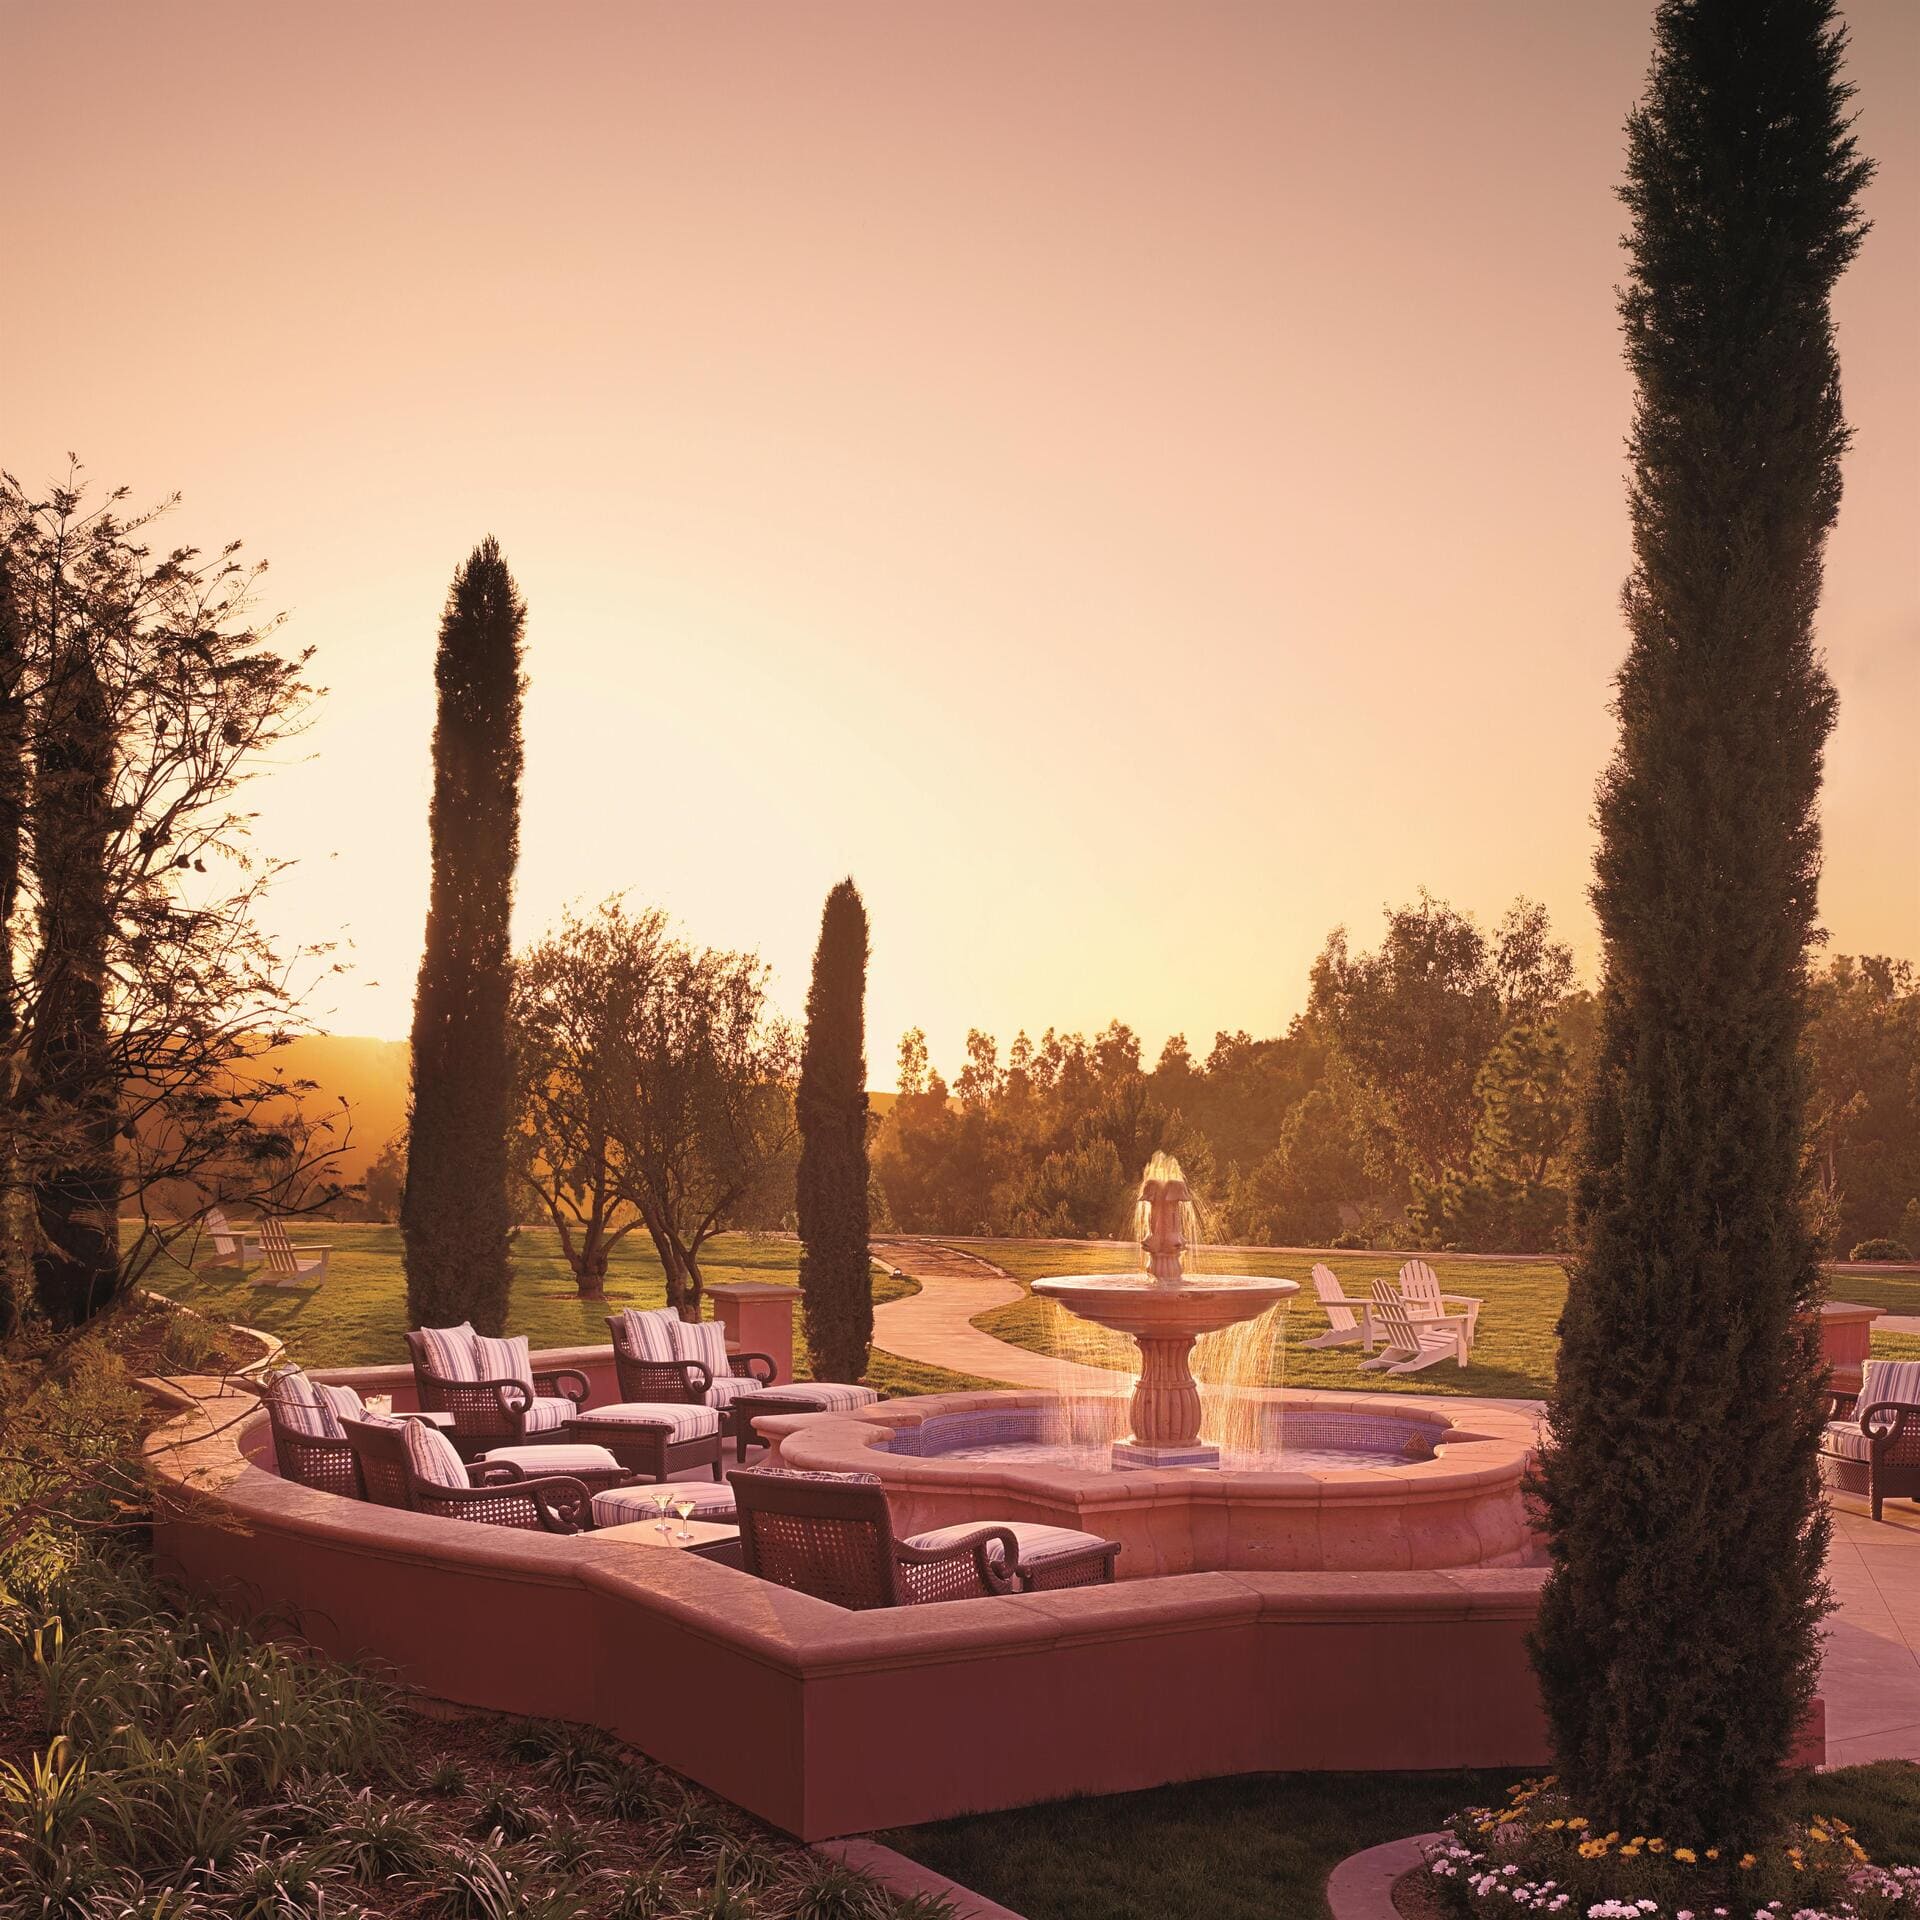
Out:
{"x": 1871, "y": 1676}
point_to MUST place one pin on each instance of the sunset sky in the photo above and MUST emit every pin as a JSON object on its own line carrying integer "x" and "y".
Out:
{"x": 1134, "y": 484}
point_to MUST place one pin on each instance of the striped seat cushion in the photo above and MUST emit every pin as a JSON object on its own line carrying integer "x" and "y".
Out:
{"x": 432, "y": 1456}
{"x": 728, "y": 1387}
{"x": 1038, "y": 1544}
{"x": 1847, "y": 1441}
{"x": 649, "y": 1335}
{"x": 705, "y": 1341}
{"x": 544, "y": 1415}
{"x": 556, "y": 1459}
{"x": 688, "y": 1423}
{"x": 830, "y": 1395}
{"x": 621, "y": 1506}
{"x": 450, "y": 1354}
{"x": 1890, "y": 1382}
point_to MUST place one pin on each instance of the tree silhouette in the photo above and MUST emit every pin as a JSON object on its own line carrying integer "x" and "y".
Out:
{"x": 454, "y": 1217}
{"x": 1677, "y": 1642}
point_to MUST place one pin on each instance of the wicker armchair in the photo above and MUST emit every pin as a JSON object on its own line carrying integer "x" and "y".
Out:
{"x": 307, "y": 1458}
{"x": 501, "y": 1494}
{"x": 493, "y": 1413}
{"x": 1871, "y": 1445}
{"x": 831, "y": 1535}
{"x": 688, "y": 1382}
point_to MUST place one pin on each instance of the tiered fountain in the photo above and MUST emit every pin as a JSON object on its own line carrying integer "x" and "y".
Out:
{"x": 1165, "y": 1310}
{"x": 1309, "y": 1482}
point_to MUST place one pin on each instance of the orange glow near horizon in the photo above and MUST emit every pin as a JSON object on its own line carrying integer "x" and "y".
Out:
{"x": 1046, "y": 460}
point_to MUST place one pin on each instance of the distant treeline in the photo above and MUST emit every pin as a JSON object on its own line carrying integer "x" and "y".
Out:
{"x": 1429, "y": 1094}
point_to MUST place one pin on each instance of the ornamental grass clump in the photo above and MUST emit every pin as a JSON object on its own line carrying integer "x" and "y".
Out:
{"x": 1540, "y": 1854}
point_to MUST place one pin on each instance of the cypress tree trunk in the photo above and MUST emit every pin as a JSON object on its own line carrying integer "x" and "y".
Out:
{"x": 836, "y": 1286}
{"x": 454, "y": 1213}
{"x": 71, "y": 1103}
{"x": 1677, "y": 1642}
{"x": 14, "y": 1269}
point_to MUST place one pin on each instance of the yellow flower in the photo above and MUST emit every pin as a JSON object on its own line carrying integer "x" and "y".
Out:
{"x": 1746, "y": 1859}
{"x": 1592, "y": 1849}
{"x": 1554, "y": 1826}
{"x": 1656, "y": 1846}
{"x": 1713, "y": 1853}
{"x": 1639, "y": 1839}
{"x": 1854, "y": 1847}
{"x": 1685, "y": 1855}
{"x": 1579, "y": 1820}
{"x": 1486, "y": 1826}
{"x": 1629, "y": 1853}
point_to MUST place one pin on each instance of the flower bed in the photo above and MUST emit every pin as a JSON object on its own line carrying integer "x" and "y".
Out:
{"x": 1540, "y": 1855}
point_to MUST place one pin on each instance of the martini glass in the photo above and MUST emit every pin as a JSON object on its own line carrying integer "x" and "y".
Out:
{"x": 684, "y": 1505}
{"x": 662, "y": 1498}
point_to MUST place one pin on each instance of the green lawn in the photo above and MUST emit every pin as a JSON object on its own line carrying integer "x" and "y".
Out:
{"x": 1261, "y": 1847}
{"x": 1513, "y": 1350}
{"x": 357, "y": 1316}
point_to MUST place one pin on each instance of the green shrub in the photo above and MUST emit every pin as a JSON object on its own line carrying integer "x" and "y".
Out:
{"x": 1350, "y": 1242}
{"x": 1881, "y": 1249}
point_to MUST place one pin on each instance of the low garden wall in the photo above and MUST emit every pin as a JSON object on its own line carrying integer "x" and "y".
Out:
{"x": 828, "y": 1722}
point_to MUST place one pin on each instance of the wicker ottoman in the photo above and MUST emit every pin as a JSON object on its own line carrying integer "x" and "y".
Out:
{"x": 593, "y": 1466}
{"x": 798, "y": 1396}
{"x": 653, "y": 1437}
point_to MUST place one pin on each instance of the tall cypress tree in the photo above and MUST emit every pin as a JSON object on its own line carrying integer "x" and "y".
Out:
{"x": 454, "y": 1216}
{"x": 836, "y": 1283}
{"x": 13, "y": 809}
{"x": 72, "y": 1094}
{"x": 1677, "y": 1641}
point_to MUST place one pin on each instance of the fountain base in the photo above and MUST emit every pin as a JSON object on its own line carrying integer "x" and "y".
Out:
{"x": 1140, "y": 1453}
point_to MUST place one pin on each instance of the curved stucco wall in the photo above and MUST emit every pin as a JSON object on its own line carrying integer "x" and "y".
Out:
{"x": 826, "y": 1722}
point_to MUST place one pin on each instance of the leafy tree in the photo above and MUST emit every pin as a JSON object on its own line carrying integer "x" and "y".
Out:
{"x": 455, "y": 1221}
{"x": 13, "y": 814}
{"x": 386, "y": 1179}
{"x": 1677, "y": 1642}
{"x": 836, "y": 1272}
{"x": 1863, "y": 1049}
{"x": 582, "y": 1006}
{"x": 1413, "y": 1022}
{"x": 143, "y": 1022}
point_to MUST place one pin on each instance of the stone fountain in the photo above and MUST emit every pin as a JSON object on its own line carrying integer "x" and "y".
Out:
{"x": 1165, "y": 1310}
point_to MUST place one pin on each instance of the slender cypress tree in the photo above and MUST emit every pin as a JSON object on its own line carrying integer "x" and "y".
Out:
{"x": 1677, "y": 1641}
{"x": 836, "y": 1283}
{"x": 454, "y": 1216}
{"x": 71, "y": 1093}
{"x": 13, "y": 807}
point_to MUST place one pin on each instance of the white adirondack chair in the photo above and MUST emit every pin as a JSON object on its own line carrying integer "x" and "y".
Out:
{"x": 1343, "y": 1330}
{"x": 1409, "y": 1344}
{"x": 1420, "y": 1289}
{"x": 230, "y": 1244}
{"x": 288, "y": 1265}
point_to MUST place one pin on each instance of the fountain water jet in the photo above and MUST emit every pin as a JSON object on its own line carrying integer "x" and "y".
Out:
{"x": 1165, "y": 1310}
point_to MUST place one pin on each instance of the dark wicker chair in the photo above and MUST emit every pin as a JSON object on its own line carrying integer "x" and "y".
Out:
{"x": 307, "y": 1459}
{"x": 501, "y": 1493}
{"x": 492, "y": 1413}
{"x": 832, "y": 1536}
{"x": 1872, "y": 1449}
{"x": 687, "y": 1382}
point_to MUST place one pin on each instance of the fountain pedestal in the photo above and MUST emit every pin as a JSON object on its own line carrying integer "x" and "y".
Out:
{"x": 1165, "y": 1310}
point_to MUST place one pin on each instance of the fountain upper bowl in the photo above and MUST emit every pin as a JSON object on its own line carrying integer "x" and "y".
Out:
{"x": 1138, "y": 1304}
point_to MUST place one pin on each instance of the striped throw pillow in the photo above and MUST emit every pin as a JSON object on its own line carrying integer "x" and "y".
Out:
{"x": 705, "y": 1341}
{"x": 503, "y": 1360}
{"x": 1895, "y": 1382}
{"x": 339, "y": 1403}
{"x": 298, "y": 1403}
{"x": 450, "y": 1354}
{"x": 649, "y": 1335}
{"x": 433, "y": 1457}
